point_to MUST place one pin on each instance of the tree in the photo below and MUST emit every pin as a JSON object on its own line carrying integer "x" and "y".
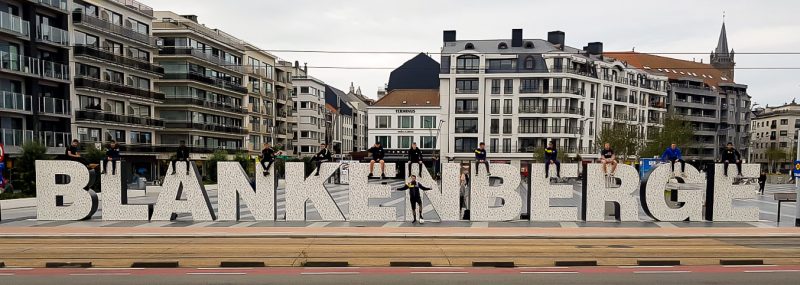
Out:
{"x": 244, "y": 160}
{"x": 775, "y": 154}
{"x": 217, "y": 156}
{"x": 675, "y": 130}
{"x": 625, "y": 140}
{"x": 93, "y": 155}
{"x": 25, "y": 167}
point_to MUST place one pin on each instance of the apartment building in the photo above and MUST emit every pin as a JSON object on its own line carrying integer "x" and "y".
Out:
{"x": 284, "y": 106}
{"x": 114, "y": 94}
{"x": 360, "y": 104}
{"x": 518, "y": 94}
{"x": 405, "y": 116}
{"x": 311, "y": 113}
{"x": 775, "y": 128}
{"x": 259, "y": 67}
{"x": 704, "y": 94}
{"x": 35, "y": 74}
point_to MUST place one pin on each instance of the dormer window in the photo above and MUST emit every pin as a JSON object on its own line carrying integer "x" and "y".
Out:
{"x": 469, "y": 46}
{"x": 529, "y": 44}
{"x": 529, "y": 62}
{"x": 502, "y": 45}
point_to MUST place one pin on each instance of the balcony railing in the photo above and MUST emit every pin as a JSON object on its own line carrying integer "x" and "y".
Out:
{"x": 33, "y": 66}
{"x": 260, "y": 71}
{"x": 549, "y": 130}
{"x": 52, "y": 35}
{"x": 15, "y": 102}
{"x": 203, "y": 127}
{"x": 14, "y": 24}
{"x": 626, "y": 117}
{"x": 54, "y": 139}
{"x": 557, "y": 90}
{"x": 205, "y": 103}
{"x": 690, "y": 86}
{"x": 54, "y": 106}
{"x": 108, "y": 27}
{"x": 466, "y": 130}
{"x": 96, "y": 84}
{"x": 142, "y": 8}
{"x": 101, "y": 116}
{"x": 16, "y": 137}
{"x": 118, "y": 59}
{"x": 460, "y": 110}
{"x": 549, "y": 110}
{"x": 203, "y": 55}
{"x": 658, "y": 104}
{"x": 56, "y": 4}
{"x": 202, "y": 78}
{"x": 466, "y": 91}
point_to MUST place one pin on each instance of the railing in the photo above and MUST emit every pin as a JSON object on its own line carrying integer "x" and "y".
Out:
{"x": 607, "y": 114}
{"x": 170, "y": 148}
{"x": 204, "y": 103}
{"x": 626, "y": 117}
{"x": 659, "y": 104}
{"x": 549, "y": 110}
{"x": 466, "y": 130}
{"x": 14, "y": 137}
{"x": 91, "y": 83}
{"x": 54, "y": 106}
{"x": 118, "y": 59}
{"x": 106, "y": 26}
{"x": 549, "y": 130}
{"x": 461, "y": 110}
{"x": 570, "y": 70}
{"x": 467, "y": 70}
{"x": 203, "y": 127}
{"x": 259, "y": 71}
{"x": 142, "y": 8}
{"x": 689, "y": 86}
{"x": 15, "y": 101}
{"x": 52, "y": 35}
{"x": 33, "y": 66}
{"x": 655, "y": 120}
{"x": 466, "y": 91}
{"x": 14, "y": 24}
{"x": 55, "y": 139}
{"x": 101, "y": 116}
{"x": 542, "y": 90}
{"x": 201, "y": 54}
{"x": 256, "y": 128}
{"x": 224, "y": 84}
{"x": 57, "y": 4}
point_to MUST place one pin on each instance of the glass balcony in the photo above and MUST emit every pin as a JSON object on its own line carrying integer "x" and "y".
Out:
{"x": 135, "y": 5}
{"x": 15, "y": 102}
{"x": 33, "y": 66}
{"x": 197, "y": 101}
{"x": 52, "y": 35}
{"x": 79, "y": 17}
{"x": 55, "y": 139}
{"x": 203, "y": 127}
{"x": 224, "y": 84}
{"x": 549, "y": 130}
{"x": 15, "y": 137}
{"x": 55, "y": 4}
{"x": 98, "y": 53}
{"x": 14, "y": 25}
{"x": 91, "y": 83}
{"x": 101, "y": 116}
{"x": 54, "y": 106}
{"x": 203, "y": 55}
{"x": 549, "y": 110}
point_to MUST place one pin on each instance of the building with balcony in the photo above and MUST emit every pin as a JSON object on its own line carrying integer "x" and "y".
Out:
{"x": 405, "y": 116}
{"x": 775, "y": 128}
{"x": 339, "y": 118}
{"x": 285, "y": 120}
{"x": 704, "y": 94}
{"x": 518, "y": 94}
{"x": 259, "y": 69}
{"x": 114, "y": 95}
{"x": 311, "y": 124}
{"x": 34, "y": 74}
{"x": 360, "y": 104}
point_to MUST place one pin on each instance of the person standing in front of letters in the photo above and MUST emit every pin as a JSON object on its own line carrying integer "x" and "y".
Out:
{"x": 480, "y": 158}
{"x": 268, "y": 154}
{"x": 413, "y": 188}
{"x": 415, "y": 156}
{"x": 377, "y": 156}
{"x": 673, "y": 154}
{"x": 607, "y": 156}
{"x": 182, "y": 154}
{"x": 323, "y": 155}
{"x": 112, "y": 154}
{"x": 730, "y": 154}
{"x": 551, "y": 157}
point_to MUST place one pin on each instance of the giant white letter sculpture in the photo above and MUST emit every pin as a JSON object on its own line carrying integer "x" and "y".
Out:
{"x": 444, "y": 200}
{"x": 300, "y": 189}
{"x": 234, "y": 184}
{"x": 542, "y": 191}
{"x": 483, "y": 196}
{"x": 169, "y": 202}
{"x": 596, "y": 192}
{"x": 721, "y": 204}
{"x": 51, "y": 195}
{"x": 690, "y": 194}
{"x": 361, "y": 192}
{"x": 115, "y": 199}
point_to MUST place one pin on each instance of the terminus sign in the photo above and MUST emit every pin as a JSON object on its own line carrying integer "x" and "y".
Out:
{"x": 711, "y": 199}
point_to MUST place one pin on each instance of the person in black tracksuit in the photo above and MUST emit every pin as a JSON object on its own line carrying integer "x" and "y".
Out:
{"x": 551, "y": 157}
{"x": 413, "y": 188}
{"x": 377, "y": 157}
{"x": 181, "y": 155}
{"x": 415, "y": 156}
{"x": 268, "y": 155}
{"x": 322, "y": 156}
{"x": 112, "y": 154}
{"x": 762, "y": 181}
{"x": 730, "y": 154}
{"x": 73, "y": 152}
{"x": 480, "y": 158}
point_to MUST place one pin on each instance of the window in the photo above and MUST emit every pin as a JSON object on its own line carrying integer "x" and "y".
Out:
{"x": 466, "y": 106}
{"x": 406, "y": 122}
{"x": 507, "y": 145}
{"x": 114, "y": 47}
{"x": 508, "y": 106}
{"x": 506, "y": 126}
{"x": 383, "y": 122}
{"x": 140, "y": 138}
{"x": 495, "y": 86}
{"x": 140, "y": 27}
{"x": 502, "y": 45}
{"x": 529, "y": 62}
{"x": 495, "y": 107}
{"x": 115, "y": 77}
{"x": 86, "y": 8}
{"x": 404, "y": 141}
{"x": 784, "y": 144}
{"x": 138, "y": 54}
{"x": 784, "y": 133}
{"x": 429, "y": 122}
{"x": 142, "y": 111}
{"x": 493, "y": 145}
{"x": 494, "y": 126}
{"x": 116, "y": 19}
{"x": 467, "y": 126}
{"x": 784, "y": 122}
{"x": 466, "y": 144}
{"x": 508, "y": 86}
{"x": 87, "y": 71}
{"x": 428, "y": 142}
{"x": 529, "y": 86}
{"x": 88, "y": 102}
{"x": 117, "y": 135}
{"x": 140, "y": 83}
{"x": 386, "y": 141}
{"x": 467, "y": 86}
{"x": 86, "y": 39}
{"x": 467, "y": 64}
{"x": 501, "y": 64}
{"x": 89, "y": 135}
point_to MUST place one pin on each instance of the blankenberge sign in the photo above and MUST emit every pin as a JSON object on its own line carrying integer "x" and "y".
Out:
{"x": 711, "y": 198}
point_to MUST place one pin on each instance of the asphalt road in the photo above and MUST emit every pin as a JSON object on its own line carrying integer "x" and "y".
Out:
{"x": 763, "y": 275}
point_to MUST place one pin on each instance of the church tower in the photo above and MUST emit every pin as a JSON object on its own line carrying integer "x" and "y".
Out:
{"x": 721, "y": 58}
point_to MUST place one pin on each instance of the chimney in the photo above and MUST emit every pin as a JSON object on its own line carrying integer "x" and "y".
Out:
{"x": 449, "y": 36}
{"x": 556, "y": 38}
{"x": 516, "y": 38}
{"x": 192, "y": 18}
{"x": 595, "y": 48}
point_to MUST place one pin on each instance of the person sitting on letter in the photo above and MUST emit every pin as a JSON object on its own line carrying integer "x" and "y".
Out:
{"x": 551, "y": 157}
{"x": 607, "y": 156}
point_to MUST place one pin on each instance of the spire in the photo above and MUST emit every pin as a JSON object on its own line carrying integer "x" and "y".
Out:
{"x": 352, "y": 87}
{"x": 722, "y": 44}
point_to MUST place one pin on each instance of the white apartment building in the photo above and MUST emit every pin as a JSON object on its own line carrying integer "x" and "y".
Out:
{"x": 775, "y": 127}
{"x": 517, "y": 95}
{"x": 310, "y": 104}
{"x": 405, "y": 116}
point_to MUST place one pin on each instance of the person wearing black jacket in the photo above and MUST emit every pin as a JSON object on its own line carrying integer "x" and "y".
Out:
{"x": 730, "y": 154}
{"x": 551, "y": 157}
{"x": 377, "y": 156}
{"x": 413, "y": 188}
{"x": 112, "y": 154}
{"x": 268, "y": 155}
{"x": 480, "y": 158}
{"x": 323, "y": 155}
{"x": 762, "y": 181}
{"x": 182, "y": 154}
{"x": 73, "y": 152}
{"x": 415, "y": 156}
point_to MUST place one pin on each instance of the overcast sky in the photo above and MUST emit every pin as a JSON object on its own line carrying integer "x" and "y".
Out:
{"x": 416, "y": 26}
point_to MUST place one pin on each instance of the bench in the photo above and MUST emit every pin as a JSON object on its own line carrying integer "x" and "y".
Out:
{"x": 784, "y": 197}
